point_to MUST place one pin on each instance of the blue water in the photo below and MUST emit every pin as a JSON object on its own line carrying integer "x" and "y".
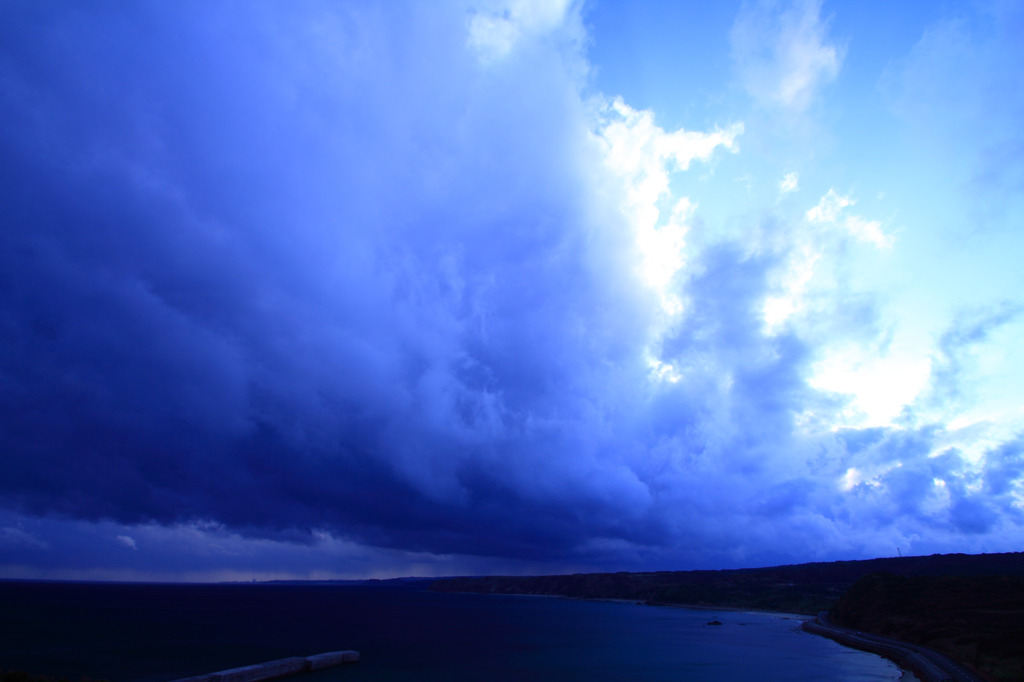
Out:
{"x": 153, "y": 633}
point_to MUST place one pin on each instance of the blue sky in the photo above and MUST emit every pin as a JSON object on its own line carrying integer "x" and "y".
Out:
{"x": 355, "y": 289}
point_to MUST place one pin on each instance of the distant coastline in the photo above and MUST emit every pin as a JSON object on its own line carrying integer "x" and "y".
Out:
{"x": 969, "y": 607}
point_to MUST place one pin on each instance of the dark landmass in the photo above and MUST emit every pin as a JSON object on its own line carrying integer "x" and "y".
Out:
{"x": 412, "y": 582}
{"x": 760, "y": 589}
{"x": 977, "y": 620}
{"x": 801, "y": 588}
{"x": 22, "y": 676}
{"x": 970, "y": 607}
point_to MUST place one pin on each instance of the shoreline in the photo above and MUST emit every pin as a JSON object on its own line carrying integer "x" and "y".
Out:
{"x": 788, "y": 615}
{"x": 900, "y": 653}
{"x": 671, "y": 605}
{"x": 926, "y": 664}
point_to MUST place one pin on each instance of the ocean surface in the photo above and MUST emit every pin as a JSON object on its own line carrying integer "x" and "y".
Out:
{"x": 153, "y": 633}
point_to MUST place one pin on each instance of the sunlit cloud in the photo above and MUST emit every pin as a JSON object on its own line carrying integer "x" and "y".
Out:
{"x": 881, "y": 387}
{"x": 783, "y": 53}
{"x": 645, "y": 156}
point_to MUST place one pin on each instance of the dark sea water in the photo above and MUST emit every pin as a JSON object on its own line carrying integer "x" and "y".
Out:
{"x": 152, "y": 633}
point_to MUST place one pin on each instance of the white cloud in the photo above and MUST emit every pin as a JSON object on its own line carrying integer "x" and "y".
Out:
{"x": 831, "y": 207}
{"x": 828, "y": 208}
{"x": 783, "y": 54}
{"x": 880, "y": 386}
{"x": 790, "y": 183}
{"x": 127, "y": 541}
{"x": 644, "y": 156}
{"x": 494, "y": 32}
{"x": 811, "y": 254}
{"x": 868, "y": 231}
{"x": 792, "y": 288}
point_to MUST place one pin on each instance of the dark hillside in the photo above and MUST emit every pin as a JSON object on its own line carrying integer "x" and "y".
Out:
{"x": 978, "y": 620}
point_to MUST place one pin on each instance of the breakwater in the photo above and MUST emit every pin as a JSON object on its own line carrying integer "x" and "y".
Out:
{"x": 279, "y": 668}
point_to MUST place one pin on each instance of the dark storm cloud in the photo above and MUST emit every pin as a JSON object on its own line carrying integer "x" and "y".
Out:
{"x": 1004, "y": 465}
{"x": 303, "y": 271}
{"x": 298, "y": 285}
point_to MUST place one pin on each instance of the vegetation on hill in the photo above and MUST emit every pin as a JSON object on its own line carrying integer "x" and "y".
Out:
{"x": 978, "y": 620}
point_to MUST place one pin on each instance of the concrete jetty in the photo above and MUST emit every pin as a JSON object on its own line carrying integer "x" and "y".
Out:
{"x": 282, "y": 667}
{"x": 331, "y": 658}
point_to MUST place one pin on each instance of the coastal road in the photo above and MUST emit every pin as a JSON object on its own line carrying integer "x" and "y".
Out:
{"x": 929, "y": 665}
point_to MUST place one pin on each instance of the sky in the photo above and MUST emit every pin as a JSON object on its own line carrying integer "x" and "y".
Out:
{"x": 352, "y": 289}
